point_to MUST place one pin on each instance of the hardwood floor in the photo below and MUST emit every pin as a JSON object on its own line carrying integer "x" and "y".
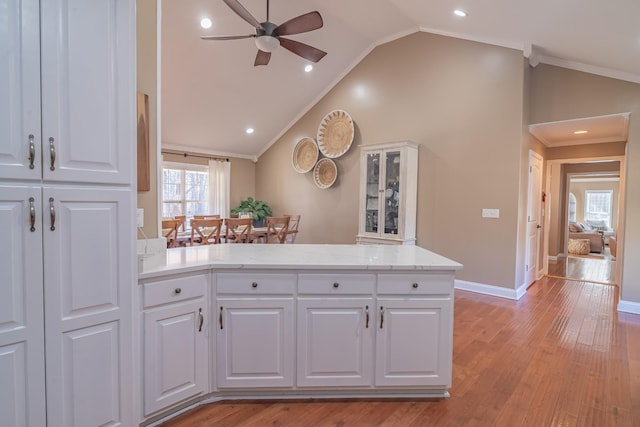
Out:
{"x": 592, "y": 268}
{"x": 560, "y": 356}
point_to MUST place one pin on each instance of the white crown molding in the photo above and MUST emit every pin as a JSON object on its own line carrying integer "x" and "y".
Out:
{"x": 591, "y": 69}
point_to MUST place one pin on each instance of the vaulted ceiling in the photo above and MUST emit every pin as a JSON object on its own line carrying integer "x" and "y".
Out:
{"x": 211, "y": 91}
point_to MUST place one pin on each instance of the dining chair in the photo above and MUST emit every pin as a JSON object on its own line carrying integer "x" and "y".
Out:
{"x": 182, "y": 219}
{"x": 237, "y": 230}
{"x": 294, "y": 222}
{"x": 170, "y": 231}
{"x": 205, "y": 231}
{"x": 277, "y": 228}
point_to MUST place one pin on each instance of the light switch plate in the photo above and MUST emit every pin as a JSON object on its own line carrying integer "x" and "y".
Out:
{"x": 140, "y": 217}
{"x": 490, "y": 213}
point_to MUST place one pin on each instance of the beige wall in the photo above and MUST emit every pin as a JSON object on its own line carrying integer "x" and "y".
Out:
{"x": 562, "y": 94}
{"x": 147, "y": 83}
{"x": 462, "y": 102}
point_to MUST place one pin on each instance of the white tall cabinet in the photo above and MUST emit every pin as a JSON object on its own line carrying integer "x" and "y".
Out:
{"x": 388, "y": 193}
{"x": 67, "y": 157}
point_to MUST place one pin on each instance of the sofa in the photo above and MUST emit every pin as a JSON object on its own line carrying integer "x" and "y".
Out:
{"x": 581, "y": 231}
{"x": 600, "y": 225}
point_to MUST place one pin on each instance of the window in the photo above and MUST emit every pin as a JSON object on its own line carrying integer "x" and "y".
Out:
{"x": 185, "y": 190}
{"x": 597, "y": 205}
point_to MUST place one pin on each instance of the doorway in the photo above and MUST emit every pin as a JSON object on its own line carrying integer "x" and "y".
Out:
{"x": 570, "y": 182}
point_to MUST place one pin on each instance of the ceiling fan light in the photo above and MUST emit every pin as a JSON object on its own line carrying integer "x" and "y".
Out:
{"x": 267, "y": 43}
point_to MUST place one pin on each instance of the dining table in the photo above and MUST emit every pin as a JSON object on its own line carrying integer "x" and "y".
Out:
{"x": 258, "y": 235}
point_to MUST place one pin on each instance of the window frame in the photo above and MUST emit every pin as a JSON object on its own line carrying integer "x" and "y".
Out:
{"x": 586, "y": 213}
{"x": 184, "y": 168}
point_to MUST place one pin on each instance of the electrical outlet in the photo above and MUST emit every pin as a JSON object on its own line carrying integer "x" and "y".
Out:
{"x": 490, "y": 213}
{"x": 140, "y": 217}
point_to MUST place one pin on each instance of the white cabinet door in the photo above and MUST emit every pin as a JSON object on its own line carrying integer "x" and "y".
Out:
{"x": 335, "y": 342}
{"x": 413, "y": 343}
{"x": 176, "y": 354}
{"x": 19, "y": 89}
{"x": 21, "y": 316}
{"x": 88, "y": 272}
{"x": 255, "y": 342}
{"x": 88, "y": 90}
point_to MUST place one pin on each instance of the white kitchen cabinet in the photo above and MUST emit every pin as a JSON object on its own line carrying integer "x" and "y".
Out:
{"x": 414, "y": 324}
{"x": 388, "y": 193}
{"x": 175, "y": 341}
{"x": 67, "y": 72}
{"x": 255, "y": 330}
{"x": 21, "y": 315}
{"x": 335, "y": 342}
{"x": 412, "y": 344}
{"x": 68, "y": 85}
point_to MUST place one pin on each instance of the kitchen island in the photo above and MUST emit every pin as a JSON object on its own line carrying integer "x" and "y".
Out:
{"x": 294, "y": 321}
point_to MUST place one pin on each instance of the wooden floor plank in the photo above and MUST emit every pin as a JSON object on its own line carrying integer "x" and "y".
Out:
{"x": 561, "y": 355}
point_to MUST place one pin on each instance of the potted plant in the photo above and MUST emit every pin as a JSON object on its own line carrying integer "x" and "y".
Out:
{"x": 259, "y": 209}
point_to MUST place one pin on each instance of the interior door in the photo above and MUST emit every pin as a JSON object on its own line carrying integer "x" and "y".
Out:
{"x": 534, "y": 217}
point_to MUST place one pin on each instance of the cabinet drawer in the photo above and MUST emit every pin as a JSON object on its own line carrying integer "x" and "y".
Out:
{"x": 336, "y": 283}
{"x": 256, "y": 283}
{"x": 418, "y": 284}
{"x": 173, "y": 290}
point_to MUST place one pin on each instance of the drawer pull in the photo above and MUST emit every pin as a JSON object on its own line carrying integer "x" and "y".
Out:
{"x": 254, "y": 285}
{"x": 415, "y": 286}
{"x": 178, "y": 291}
{"x": 336, "y": 284}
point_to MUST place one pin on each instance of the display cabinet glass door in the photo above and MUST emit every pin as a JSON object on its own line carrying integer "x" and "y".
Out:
{"x": 372, "y": 202}
{"x": 391, "y": 191}
{"x": 383, "y": 192}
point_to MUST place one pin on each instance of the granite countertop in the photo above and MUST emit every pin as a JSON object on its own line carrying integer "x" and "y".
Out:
{"x": 296, "y": 257}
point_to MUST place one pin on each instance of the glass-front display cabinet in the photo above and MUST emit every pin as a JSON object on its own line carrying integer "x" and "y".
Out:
{"x": 388, "y": 192}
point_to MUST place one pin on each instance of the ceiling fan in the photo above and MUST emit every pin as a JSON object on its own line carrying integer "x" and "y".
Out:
{"x": 269, "y": 35}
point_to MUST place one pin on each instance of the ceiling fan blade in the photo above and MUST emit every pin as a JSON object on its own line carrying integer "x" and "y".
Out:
{"x": 227, "y": 37}
{"x": 243, "y": 13}
{"x": 301, "y": 24}
{"x": 304, "y": 50}
{"x": 262, "y": 58}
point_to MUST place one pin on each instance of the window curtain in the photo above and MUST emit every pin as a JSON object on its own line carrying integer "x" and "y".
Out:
{"x": 219, "y": 187}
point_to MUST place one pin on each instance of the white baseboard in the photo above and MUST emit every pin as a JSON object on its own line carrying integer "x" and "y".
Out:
{"x": 629, "y": 307}
{"x": 495, "y": 291}
{"x": 556, "y": 258}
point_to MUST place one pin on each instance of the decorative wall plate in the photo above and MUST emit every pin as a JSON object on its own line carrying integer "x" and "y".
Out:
{"x": 325, "y": 173}
{"x": 305, "y": 155}
{"x": 335, "y": 134}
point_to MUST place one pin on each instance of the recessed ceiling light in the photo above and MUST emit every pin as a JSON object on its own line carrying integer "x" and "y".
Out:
{"x": 580, "y": 132}
{"x": 205, "y": 23}
{"x": 459, "y": 12}
{"x": 249, "y": 131}
{"x": 308, "y": 68}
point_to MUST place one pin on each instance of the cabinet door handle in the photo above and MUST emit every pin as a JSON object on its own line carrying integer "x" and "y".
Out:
{"x": 336, "y": 284}
{"x": 414, "y": 286}
{"x": 366, "y": 314}
{"x": 52, "y": 214}
{"x": 201, "y": 319}
{"x": 221, "y": 326}
{"x": 254, "y": 285}
{"x": 32, "y": 214}
{"x": 178, "y": 291}
{"x": 381, "y": 316}
{"x": 52, "y": 154}
{"x": 32, "y": 151}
